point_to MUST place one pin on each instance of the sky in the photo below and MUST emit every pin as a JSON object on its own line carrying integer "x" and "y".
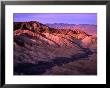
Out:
{"x": 70, "y": 18}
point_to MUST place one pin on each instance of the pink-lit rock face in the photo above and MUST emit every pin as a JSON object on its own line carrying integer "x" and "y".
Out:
{"x": 38, "y": 44}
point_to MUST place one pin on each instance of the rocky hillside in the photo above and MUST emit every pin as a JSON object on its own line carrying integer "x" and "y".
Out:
{"x": 88, "y": 28}
{"x": 41, "y": 45}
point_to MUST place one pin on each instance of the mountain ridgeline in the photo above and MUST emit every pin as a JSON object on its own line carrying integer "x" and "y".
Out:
{"x": 39, "y": 47}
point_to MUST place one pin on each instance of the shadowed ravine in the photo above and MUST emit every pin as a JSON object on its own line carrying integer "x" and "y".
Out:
{"x": 41, "y": 67}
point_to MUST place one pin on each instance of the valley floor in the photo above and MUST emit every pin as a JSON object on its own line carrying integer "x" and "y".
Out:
{"x": 79, "y": 64}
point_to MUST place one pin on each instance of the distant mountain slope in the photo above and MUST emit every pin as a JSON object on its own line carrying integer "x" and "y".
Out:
{"x": 90, "y": 29}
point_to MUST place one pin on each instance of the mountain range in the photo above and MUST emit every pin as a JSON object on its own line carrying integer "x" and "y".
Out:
{"x": 44, "y": 48}
{"x": 88, "y": 28}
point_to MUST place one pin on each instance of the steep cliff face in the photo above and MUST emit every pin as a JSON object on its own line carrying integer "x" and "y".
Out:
{"x": 35, "y": 42}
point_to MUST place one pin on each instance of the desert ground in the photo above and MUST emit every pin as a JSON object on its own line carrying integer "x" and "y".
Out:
{"x": 50, "y": 49}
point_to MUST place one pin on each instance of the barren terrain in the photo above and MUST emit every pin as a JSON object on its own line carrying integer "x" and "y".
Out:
{"x": 40, "y": 49}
